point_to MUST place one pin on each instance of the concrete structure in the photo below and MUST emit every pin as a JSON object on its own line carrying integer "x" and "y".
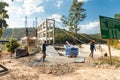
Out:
{"x": 45, "y": 31}
{"x": 31, "y": 41}
{"x": 31, "y": 46}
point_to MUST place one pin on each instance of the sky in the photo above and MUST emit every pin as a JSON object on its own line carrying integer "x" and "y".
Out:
{"x": 54, "y": 9}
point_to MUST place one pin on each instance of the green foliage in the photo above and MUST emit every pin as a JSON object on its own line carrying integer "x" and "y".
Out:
{"x": 106, "y": 60}
{"x": 12, "y": 45}
{"x": 17, "y": 33}
{"x": 3, "y": 16}
{"x": 60, "y": 35}
{"x": 76, "y": 15}
{"x": 115, "y": 44}
{"x": 117, "y": 16}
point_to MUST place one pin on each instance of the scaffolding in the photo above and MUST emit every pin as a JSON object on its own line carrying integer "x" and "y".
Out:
{"x": 45, "y": 31}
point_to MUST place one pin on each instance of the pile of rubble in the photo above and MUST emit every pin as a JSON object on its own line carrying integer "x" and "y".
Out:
{"x": 55, "y": 69}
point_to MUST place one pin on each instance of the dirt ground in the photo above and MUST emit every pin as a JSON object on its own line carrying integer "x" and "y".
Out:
{"x": 56, "y": 68}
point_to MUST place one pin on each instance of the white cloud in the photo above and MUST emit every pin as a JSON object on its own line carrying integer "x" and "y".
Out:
{"x": 18, "y": 11}
{"x": 15, "y": 22}
{"x": 59, "y": 2}
{"x": 32, "y": 6}
{"x": 40, "y": 9}
{"x": 6, "y": 1}
{"x": 90, "y": 25}
{"x": 56, "y": 17}
{"x": 83, "y": 0}
{"x": 27, "y": 7}
{"x": 20, "y": 8}
{"x": 18, "y": 0}
{"x": 90, "y": 28}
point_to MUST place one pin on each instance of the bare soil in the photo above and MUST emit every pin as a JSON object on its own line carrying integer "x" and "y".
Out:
{"x": 56, "y": 68}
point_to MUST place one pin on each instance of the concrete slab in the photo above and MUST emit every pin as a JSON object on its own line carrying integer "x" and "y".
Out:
{"x": 50, "y": 51}
{"x": 79, "y": 59}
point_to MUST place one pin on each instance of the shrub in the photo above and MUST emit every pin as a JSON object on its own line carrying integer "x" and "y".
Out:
{"x": 12, "y": 45}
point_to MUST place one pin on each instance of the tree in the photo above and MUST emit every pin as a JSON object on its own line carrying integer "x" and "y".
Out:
{"x": 12, "y": 45}
{"x": 3, "y": 16}
{"x": 76, "y": 15}
{"x": 117, "y": 16}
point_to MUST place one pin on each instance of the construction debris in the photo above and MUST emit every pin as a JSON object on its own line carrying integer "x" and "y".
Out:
{"x": 3, "y": 69}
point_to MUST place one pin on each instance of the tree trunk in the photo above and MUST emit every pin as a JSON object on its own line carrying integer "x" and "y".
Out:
{"x": 75, "y": 34}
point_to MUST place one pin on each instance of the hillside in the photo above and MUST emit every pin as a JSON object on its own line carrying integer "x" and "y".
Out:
{"x": 60, "y": 35}
{"x": 16, "y": 33}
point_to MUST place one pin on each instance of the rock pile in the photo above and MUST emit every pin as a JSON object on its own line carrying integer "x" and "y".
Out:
{"x": 56, "y": 69}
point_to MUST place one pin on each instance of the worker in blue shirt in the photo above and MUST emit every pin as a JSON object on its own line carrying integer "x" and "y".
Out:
{"x": 44, "y": 50}
{"x": 92, "y": 48}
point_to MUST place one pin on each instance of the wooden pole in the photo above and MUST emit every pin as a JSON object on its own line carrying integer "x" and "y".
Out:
{"x": 36, "y": 31}
{"x": 27, "y": 38}
{"x": 109, "y": 51}
{"x": 53, "y": 32}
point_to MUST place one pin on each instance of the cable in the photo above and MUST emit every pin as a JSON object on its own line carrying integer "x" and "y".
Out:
{"x": 75, "y": 37}
{"x": 70, "y": 34}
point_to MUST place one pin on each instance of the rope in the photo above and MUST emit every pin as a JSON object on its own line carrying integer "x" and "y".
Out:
{"x": 75, "y": 37}
{"x": 70, "y": 34}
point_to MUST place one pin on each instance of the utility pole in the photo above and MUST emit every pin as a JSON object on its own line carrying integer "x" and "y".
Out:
{"x": 26, "y": 32}
{"x": 26, "y": 26}
{"x": 33, "y": 23}
{"x": 36, "y": 27}
{"x": 36, "y": 30}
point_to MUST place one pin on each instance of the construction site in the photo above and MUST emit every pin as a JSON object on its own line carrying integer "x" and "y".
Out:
{"x": 59, "y": 40}
{"x": 60, "y": 64}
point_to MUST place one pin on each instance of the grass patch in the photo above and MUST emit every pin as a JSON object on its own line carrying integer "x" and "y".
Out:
{"x": 106, "y": 60}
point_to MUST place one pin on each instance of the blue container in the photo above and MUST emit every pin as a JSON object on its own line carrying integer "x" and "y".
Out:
{"x": 68, "y": 49}
{"x": 71, "y": 51}
{"x": 74, "y": 51}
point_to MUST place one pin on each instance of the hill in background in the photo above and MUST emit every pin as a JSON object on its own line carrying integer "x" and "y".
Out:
{"x": 60, "y": 35}
{"x": 17, "y": 33}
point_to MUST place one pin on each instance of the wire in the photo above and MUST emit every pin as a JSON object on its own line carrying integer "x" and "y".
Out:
{"x": 70, "y": 34}
{"x": 75, "y": 37}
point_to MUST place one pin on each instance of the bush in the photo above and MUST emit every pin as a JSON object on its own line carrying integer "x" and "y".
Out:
{"x": 106, "y": 60}
{"x": 12, "y": 45}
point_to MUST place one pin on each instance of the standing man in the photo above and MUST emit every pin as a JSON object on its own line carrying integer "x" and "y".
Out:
{"x": 44, "y": 50}
{"x": 92, "y": 48}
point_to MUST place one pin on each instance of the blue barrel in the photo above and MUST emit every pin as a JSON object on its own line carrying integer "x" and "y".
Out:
{"x": 67, "y": 49}
{"x": 71, "y": 51}
{"x": 74, "y": 51}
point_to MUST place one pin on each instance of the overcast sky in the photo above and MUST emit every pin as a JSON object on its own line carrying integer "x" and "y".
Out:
{"x": 43, "y": 9}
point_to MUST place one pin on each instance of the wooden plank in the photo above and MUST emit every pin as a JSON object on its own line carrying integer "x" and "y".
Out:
{"x": 4, "y": 69}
